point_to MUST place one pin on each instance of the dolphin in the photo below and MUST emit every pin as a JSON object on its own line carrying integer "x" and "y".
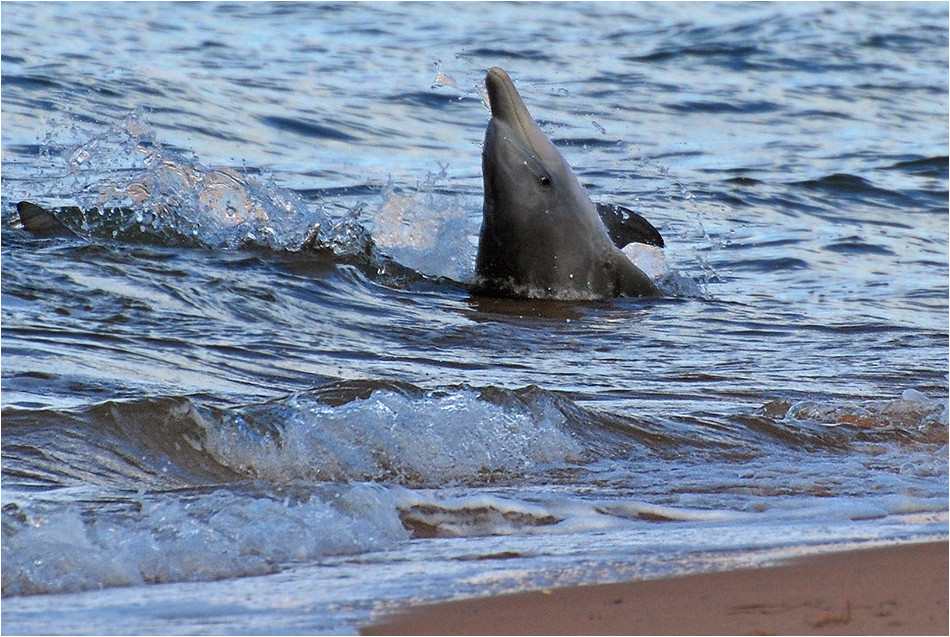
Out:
{"x": 541, "y": 235}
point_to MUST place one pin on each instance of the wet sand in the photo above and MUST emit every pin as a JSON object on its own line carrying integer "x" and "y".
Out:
{"x": 895, "y": 590}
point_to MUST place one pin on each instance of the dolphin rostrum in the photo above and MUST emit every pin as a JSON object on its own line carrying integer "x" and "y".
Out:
{"x": 541, "y": 235}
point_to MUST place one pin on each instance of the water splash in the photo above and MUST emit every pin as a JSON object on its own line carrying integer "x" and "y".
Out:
{"x": 426, "y": 230}
{"x": 163, "y": 194}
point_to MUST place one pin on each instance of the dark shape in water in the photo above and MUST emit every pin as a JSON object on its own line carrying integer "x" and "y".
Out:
{"x": 40, "y": 222}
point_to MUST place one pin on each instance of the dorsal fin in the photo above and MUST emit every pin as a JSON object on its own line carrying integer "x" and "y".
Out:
{"x": 41, "y": 222}
{"x": 625, "y": 226}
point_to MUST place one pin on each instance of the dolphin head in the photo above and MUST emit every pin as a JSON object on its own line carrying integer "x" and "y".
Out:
{"x": 541, "y": 235}
{"x": 520, "y": 165}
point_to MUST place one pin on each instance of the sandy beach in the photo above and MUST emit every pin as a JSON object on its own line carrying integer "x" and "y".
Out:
{"x": 895, "y": 590}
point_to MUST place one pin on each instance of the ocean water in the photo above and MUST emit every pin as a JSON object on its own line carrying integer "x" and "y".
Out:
{"x": 267, "y": 401}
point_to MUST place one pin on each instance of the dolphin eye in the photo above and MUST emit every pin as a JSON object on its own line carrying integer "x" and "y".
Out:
{"x": 538, "y": 170}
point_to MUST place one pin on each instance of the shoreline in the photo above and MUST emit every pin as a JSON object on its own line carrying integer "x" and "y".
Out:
{"x": 898, "y": 589}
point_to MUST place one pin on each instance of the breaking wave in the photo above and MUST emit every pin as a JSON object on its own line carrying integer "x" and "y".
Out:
{"x": 175, "y": 489}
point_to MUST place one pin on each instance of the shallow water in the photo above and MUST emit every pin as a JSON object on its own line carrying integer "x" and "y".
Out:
{"x": 267, "y": 401}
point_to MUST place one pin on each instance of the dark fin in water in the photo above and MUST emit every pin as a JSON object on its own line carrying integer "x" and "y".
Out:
{"x": 625, "y": 226}
{"x": 41, "y": 223}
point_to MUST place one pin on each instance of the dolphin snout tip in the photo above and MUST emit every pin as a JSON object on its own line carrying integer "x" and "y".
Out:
{"x": 502, "y": 93}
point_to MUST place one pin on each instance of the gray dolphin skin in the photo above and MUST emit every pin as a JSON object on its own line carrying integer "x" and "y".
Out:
{"x": 541, "y": 235}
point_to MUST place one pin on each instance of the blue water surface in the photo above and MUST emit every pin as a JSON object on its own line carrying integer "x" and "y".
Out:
{"x": 266, "y": 399}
